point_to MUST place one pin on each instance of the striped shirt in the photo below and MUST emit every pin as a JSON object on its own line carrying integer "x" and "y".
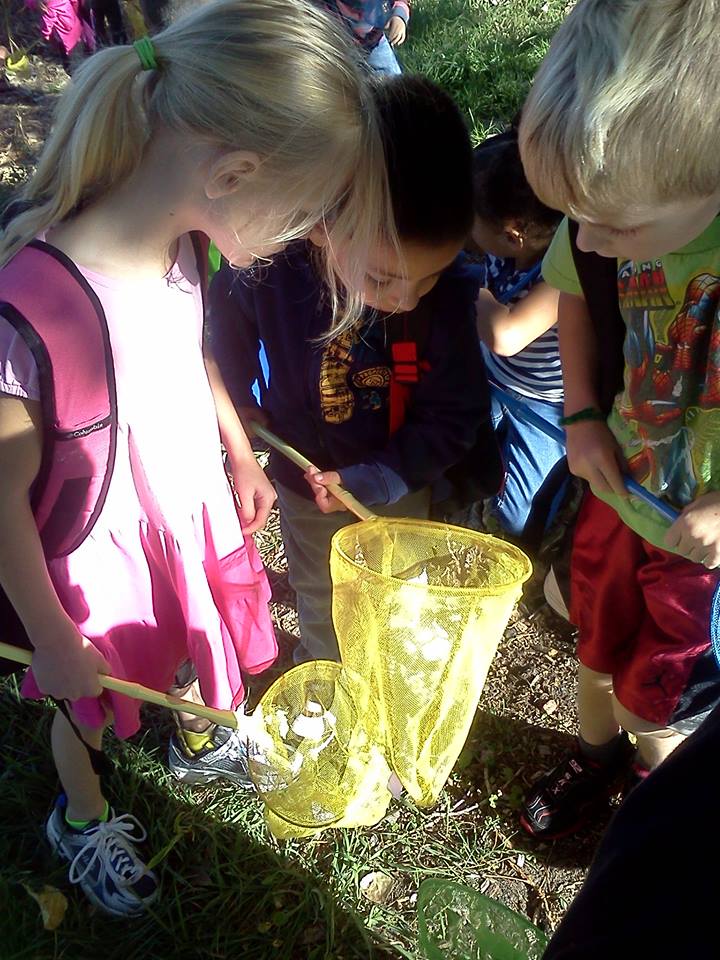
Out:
{"x": 534, "y": 372}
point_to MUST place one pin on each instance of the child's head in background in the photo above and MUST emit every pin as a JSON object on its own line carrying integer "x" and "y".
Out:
{"x": 620, "y": 129}
{"x": 510, "y": 221}
{"x": 429, "y": 168}
{"x": 273, "y": 120}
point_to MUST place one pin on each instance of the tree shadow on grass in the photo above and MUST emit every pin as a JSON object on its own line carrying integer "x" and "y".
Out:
{"x": 224, "y": 894}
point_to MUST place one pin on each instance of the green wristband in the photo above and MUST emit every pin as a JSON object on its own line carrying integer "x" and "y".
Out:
{"x": 588, "y": 413}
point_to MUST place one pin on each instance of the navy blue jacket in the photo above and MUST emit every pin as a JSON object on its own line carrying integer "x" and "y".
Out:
{"x": 331, "y": 401}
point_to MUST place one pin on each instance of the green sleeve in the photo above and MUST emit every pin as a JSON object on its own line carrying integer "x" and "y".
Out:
{"x": 214, "y": 261}
{"x": 558, "y": 267}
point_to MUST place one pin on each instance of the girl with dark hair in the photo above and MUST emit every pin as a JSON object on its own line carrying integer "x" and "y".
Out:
{"x": 517, "y": 324}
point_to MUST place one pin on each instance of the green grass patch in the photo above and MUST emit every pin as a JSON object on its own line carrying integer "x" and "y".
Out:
{"x": 483, "y": 52}
{"x": 229, "y": 890}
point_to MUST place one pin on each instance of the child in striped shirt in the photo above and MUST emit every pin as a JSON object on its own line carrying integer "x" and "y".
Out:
{"x": 517, "y": 324}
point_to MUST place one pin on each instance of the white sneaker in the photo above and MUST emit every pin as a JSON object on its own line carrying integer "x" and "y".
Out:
{"x": 103, "y": 860}
{"x": 224, "y": 758}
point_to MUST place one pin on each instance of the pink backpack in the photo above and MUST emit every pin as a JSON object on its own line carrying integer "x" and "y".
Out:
{"x": 40, "y": 289}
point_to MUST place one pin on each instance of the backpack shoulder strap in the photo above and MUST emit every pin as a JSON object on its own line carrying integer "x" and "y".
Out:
{"x": 598, "y": 279}
{"x": 41, "y": 290}
{"x": 408, "y": 335}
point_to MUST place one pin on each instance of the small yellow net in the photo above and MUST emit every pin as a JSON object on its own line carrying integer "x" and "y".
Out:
{"x": 418, "y": 609}
{"x": 314, "y": 755}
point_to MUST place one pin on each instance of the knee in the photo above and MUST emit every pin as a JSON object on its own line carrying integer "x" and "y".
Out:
{"x": 592, "y": 680}
{"x": 638, "y": 726}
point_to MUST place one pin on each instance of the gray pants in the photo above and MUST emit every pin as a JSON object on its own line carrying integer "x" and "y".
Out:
{"x": 307, "y": 534}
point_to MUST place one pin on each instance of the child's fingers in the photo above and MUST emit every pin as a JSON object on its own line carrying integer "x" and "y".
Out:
{"x": 605, "y": 477}
{"x": 322, "y": 499}
{"x": 681, "y": 540}
{"x": 316, "y": 487}
{"x": 327, "y": 479}
{"x": 319, "y": 482}
{"x": 674, "y": 534}
{"x": 597, "y": 480}
{"x": 615, "y": 478}
{"x": 254, "y": 508}
{"x": 247, "y": 510}
{"x": 263, "y": 505}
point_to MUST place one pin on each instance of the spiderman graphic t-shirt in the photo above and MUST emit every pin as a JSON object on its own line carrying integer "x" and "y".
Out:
{"x": 667, "y": 416}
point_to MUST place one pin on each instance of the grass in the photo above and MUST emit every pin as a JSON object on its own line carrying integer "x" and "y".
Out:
{"x": 483, "y": 52}
{"x": 228, "y": 889}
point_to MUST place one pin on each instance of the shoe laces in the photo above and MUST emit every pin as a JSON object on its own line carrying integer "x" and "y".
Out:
{"x": 110, "y": 845}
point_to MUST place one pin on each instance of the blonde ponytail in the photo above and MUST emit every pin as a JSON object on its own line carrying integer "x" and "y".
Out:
{"x": 278, "y": 77}
{"x": 98, "y": 139}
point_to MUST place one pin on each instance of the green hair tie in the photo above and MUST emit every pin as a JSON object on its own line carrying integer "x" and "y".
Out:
{"x": 146, "y": 53}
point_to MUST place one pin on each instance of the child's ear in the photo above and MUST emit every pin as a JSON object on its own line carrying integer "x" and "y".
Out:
{"x": 318, "y": 236}
{"x": 230, "y": 171}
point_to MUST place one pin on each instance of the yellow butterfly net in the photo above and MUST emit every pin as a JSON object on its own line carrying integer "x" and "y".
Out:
{"x": 418, "y": 609}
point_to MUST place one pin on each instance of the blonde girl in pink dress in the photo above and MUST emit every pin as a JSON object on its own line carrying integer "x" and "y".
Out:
{"x": 247, "y": 120}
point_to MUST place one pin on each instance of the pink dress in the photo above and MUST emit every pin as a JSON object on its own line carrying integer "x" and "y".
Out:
{"x": 166, "y": 572}
{"x": 65, "y": 21}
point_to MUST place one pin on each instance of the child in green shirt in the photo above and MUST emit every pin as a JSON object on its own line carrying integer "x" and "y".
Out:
{"x": 642, "y": 588}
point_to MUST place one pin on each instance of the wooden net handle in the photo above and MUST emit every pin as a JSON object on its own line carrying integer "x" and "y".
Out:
{"x": 343, "y": 495}
{"x": 136, "y": 691}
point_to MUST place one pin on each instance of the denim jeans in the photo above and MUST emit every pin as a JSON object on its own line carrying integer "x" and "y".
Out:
{"x": 383, "y": 60}
{"x": 531, "y": 461}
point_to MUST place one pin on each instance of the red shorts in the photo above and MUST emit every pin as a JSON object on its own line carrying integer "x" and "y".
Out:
{"x": 643, "y": 616}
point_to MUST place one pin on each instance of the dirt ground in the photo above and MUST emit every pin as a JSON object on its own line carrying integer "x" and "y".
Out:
{"x": 527, "y": 713}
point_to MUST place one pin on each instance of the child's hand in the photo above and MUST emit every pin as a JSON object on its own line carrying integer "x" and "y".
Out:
{"x": 65, "y": 664}
{"x": 318, "y": 480}
{"x": 696, "y": 532}
{"x": 254, "y": 491}
{"x": 396, "y": 31}
{"x": 593, "y": 453}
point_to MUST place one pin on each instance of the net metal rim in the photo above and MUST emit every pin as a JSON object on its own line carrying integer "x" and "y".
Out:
{"x": 443, "y": 589}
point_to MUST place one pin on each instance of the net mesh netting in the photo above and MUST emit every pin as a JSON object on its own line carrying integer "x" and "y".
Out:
{"x": 313, "y": 755}
{"x": 457, "y": 923}
{"x": 418, "y": 609}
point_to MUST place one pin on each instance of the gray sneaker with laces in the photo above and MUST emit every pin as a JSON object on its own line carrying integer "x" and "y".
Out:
{"x": 224, "y": 758}
{"x": 103, "y": 860}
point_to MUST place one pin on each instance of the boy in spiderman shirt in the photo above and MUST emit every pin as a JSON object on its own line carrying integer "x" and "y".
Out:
{"x": 642, "y": 383}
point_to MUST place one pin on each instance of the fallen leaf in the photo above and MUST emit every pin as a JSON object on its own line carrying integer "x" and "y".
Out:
{"x": 52, "y": 903}
{"x": 376, "y": 887}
